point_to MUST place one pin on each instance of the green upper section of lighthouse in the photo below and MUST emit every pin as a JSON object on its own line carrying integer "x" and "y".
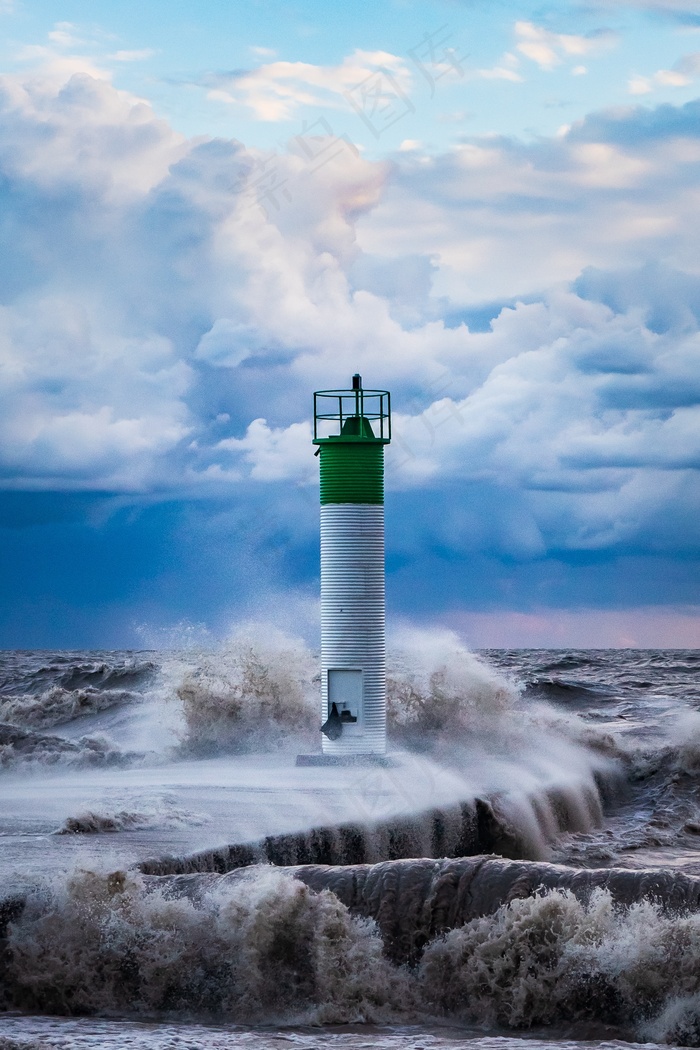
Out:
{"x": 351, "y": 428}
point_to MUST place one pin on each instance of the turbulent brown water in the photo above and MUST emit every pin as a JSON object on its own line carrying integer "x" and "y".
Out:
{"x": 526, "y": 866}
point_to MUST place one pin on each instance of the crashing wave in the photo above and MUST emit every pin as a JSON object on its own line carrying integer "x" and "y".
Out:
{"x": 262, "y": 690}
{"x": 516, "y": 827}
{"x": 481, "y": 940}
{"x": 548, "y": 959}
{"x": 263, "y": 949}
{"x": 258, "y": 693}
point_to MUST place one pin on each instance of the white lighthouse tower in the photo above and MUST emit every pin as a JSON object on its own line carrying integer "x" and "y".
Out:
{"x": 351, "y": 428}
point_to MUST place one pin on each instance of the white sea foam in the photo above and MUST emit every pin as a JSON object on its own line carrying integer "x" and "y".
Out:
{"x": 437, "y": 686}
{"x": 261, "y": 689}
{"x": 42, "y": 1033}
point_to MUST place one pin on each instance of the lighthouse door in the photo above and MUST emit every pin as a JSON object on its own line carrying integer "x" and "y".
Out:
{"x": 345, "y": 691}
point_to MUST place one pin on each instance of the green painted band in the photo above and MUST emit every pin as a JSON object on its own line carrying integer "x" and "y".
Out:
{"x": 352, "y": 472}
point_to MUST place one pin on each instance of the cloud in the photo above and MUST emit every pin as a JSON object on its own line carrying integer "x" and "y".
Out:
{"x": 70, "y": 131}
{"x": 165, "y": 321}
{"x": 275, "y": 453}
{"x": 81, "y": 408}
{"x": 64, "y": 35}
{"x": 71, "y": 48}
{"x": 592, "y": 404}
{"x": 501, "y": 73}
{"x": 582, "y": 416}
{"x": 227, "y": 343}
{"x": 86, "y": 402}
{"x": 275, "y": 91}
{"x": 683, "y": 73}
{"x": 134, "y": 263}
{"x": 613, "y": 189}
{"x": 548, "y": 49}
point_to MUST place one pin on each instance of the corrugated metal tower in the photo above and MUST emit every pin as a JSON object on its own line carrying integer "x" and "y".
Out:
{"x": 351, "y": 428}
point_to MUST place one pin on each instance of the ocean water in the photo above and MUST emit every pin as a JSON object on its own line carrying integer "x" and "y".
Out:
{"x": 525, "y": 867}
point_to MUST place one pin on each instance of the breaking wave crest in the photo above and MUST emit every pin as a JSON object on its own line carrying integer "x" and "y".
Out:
{"x": 261, "y": 691}
{"x": 550, "y": 959}
{"x": 255, "y": 694}
{"x": 262, "y": 948}
{"x": 437, "y": 689}
{"x": 266, "y": 946}
{"x": 511, "y": 826}
{"x": 529, "y": 773}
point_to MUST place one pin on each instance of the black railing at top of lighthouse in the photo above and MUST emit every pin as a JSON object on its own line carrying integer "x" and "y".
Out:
{"x": 333, "y": 408}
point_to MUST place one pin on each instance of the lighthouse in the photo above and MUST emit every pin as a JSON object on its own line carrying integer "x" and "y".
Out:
{"x": 351, "y": 428}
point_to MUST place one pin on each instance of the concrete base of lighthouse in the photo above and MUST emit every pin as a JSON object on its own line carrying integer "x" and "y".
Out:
{"x": 345, "y": 760}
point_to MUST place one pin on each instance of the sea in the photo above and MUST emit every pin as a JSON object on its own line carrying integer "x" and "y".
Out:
{"x": 522, "y": 870}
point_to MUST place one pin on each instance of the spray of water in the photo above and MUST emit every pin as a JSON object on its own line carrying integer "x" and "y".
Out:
{"x": 260, "y": 693}
{"x": 438, "y": 690}
{"x": 261, "y": 689}
{"x": 256, "y": 693}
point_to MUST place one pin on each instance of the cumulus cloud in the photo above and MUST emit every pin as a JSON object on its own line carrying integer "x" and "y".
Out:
{"x": 133, "y": 261}
{"x": 616, "y": 187}
{"x": 167, "y": 315}
{"x": 69, "y": 131}
{"x": 596, "y": 419}
{"x": 83, "y": 408}
{"x": 275, "y": 453}
{"x": 227, "y": 343}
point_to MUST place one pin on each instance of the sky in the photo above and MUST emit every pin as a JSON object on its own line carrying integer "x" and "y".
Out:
{"x": 208, "y": 211}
